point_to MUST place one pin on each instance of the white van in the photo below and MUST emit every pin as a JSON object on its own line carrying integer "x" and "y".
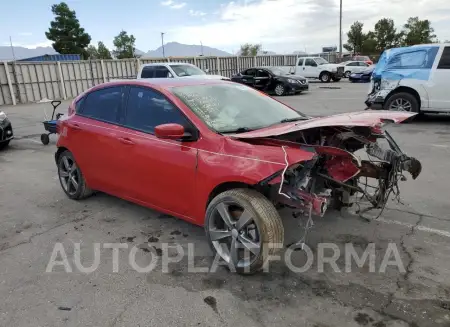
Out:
{"x": 415, "y": 79}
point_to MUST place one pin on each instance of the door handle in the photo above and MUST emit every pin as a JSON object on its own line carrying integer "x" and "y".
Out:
{"x": 75, "y": 126}
{"x": 125, "y": 140}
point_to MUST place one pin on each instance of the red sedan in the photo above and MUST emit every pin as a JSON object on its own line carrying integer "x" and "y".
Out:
{"x": 223, "y": 156}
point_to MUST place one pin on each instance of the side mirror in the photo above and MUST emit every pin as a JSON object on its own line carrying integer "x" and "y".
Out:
{"x": 169, "y": 131}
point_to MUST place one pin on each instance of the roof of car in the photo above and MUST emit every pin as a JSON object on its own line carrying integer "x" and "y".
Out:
{"x": 163, "y": 83}
{"x": 167, "y": 63}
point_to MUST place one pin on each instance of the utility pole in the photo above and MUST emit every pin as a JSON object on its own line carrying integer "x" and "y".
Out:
{"x": 12, "y": 48}
{"x": 201, "y": 45}
{"x": 340, "y": 29}
{"x": 162, "y": 43}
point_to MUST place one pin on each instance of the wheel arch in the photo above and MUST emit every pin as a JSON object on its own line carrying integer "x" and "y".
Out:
{"x": 225, "y": 186}
{"x": 58, "y": 152}
{"x": 404, "y": 89}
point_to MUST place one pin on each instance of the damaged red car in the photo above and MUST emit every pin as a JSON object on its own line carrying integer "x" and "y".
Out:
{"x": 225, "y": 156}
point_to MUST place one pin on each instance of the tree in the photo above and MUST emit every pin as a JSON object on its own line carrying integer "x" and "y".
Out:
{"x": 66, "y": 33}
{"x": 124, "y": 44}
{"x": 386, "y": 35}
{"x": 369, "y": 45}
{"x": 250, "y": 49}
{"x": 418, "y": 31}
{"x": 103, "y": 52}
{"x": 356, "y": 38}
{"x": 92, "y": 52}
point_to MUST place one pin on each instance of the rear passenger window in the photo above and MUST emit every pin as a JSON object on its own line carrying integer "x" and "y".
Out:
{"x": 444, "y": 63}
{"x": 103, "y": 104}
{"x": 147, "y": 72}
{"x": 161, "y": 72}
{"x": 300, "y": 62}
{"x": 147, "y": 109}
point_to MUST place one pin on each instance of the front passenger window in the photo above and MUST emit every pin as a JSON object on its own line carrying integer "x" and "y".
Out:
{"x": 147, "y": 109}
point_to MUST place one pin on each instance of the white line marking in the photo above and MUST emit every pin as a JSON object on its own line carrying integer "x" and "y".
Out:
{"x": 440, "y": 145}
{"x": 418, "y": 227}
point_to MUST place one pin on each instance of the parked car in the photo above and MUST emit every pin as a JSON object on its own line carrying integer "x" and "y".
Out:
{"x": 174, "y": 70}
{"x": 6, "y": 130}
{"x": 222, "y": 155}
{"x": 414, "y": 79}
{"x": 272, "y": 80}
{"x": 365, "y": 59}
{"x": 318, "y": 68}
{"x": 351, "y": 67}
{"x": 363, "y": 76}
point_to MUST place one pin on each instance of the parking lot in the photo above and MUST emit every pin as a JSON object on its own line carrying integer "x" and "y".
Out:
{"x": 36, "y": 215}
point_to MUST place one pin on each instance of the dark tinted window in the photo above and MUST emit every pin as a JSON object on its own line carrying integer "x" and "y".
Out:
{"x": 300, "y": 62}
{"x": 363, "y": 64}
{"x": 103, "y": 104}
{"x": 262, "y": 73}
{"x": 352, "y": 64}
{"x": 162, "y": 72}
{"x": 249, "y": 72}
{"x": 444, "y": 63}
{"x": 79, "y": 105}
{"x": 147, "y": 72}
{"x": 147, "y": 108}
{"x": 310, "y": 62}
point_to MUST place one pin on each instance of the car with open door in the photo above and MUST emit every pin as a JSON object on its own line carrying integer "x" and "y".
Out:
{"x": 272, "y": 80}
{"x": 6, "y": 130}
{"x": 224, "y": 156}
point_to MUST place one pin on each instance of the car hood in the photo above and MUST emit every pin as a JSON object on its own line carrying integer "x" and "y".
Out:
{"x": 364, "y": 118}
{"x": 329, "y": 66}
{"x": 206, "y": 77}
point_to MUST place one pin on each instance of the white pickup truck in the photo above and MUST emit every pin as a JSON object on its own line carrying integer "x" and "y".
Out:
{"x": 318, "y": 68}
{"x": 174, "y": 70}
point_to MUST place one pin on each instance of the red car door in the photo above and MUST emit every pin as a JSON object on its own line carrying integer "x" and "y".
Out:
{"x": 94, "y": 139}
{"x": 160, "y": 173}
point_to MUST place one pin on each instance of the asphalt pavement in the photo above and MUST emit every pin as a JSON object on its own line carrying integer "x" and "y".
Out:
{"x": 36, "y": 215}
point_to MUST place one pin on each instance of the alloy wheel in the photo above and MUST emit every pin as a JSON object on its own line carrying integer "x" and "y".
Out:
{"x": 234, "y": 234}
{"x": 69, "y": 175}
{"x": 400, "y": 104}
{"x": 279, "y": 89}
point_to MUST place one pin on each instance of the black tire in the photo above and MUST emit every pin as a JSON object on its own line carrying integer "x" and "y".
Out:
{"x": 45, "y": 139}
{"x": 83, "y": 190}
{"x": 325, "y": 77}
{"x": 4, "y": 145}
{"x": 266, "y": 217}
{"x": 280, "y": 86}
{"x": 402, "y": 96}
{"x": 347, "y": 74}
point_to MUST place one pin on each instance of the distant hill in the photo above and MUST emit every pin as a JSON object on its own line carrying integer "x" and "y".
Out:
{"x": 175, "y": 49}
{"x": 171, "y": 49}
{"x": 21, "y": 52}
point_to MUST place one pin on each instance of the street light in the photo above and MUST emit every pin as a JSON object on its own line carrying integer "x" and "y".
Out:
{"x": 162, "y": 43}
{"x": 340, "y": 28}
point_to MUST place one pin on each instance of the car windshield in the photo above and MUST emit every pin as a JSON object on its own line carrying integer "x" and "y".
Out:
{"x": 187, "y": 70}
{"x": 232, "y": 107}
{"x": 320, "y": 61}
{"x": 278, "y": 71}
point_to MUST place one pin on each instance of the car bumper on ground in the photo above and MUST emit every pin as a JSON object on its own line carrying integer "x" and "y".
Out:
{"x": 6, "y": 131}
{"x": 374, "y": 101}
{"x": 295, "y": 88}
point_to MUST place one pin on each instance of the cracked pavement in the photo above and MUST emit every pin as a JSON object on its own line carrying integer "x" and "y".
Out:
{"x": 35, "y": 215}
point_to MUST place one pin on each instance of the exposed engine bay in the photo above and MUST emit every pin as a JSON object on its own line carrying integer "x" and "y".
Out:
{"x": 337, "y": 176}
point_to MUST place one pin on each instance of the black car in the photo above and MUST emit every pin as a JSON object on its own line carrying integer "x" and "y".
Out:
{"x": 272, "y": 80}
{"x": 6, "y": 132}
{"x": 364, "y": 76}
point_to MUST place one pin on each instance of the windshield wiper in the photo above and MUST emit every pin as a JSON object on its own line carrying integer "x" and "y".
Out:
{"x": 237, "y": 130}
{"x": 288, "y": 120}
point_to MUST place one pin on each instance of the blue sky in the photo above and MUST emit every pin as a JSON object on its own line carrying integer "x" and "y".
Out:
{"x": 279, "y": 25}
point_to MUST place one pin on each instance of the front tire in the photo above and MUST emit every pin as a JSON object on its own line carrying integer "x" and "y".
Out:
{"x": 71, "y": 178}
{"x": 4, "y": 145}
{"x": 243, "y": 219}
{"x": 402, "y": 101}
{"x": 280, "y": 90}
{"x": 325, "y": 77}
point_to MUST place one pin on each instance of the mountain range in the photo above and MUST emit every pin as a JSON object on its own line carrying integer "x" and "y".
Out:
{"x": 171, "y": 49}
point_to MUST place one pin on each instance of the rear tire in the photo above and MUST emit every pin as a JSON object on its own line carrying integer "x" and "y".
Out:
{"x": 71, "y": 178}
{"x": 325, "y": 77}
{"x": 347, "y": 74}
{"x": 237, "y": 204}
